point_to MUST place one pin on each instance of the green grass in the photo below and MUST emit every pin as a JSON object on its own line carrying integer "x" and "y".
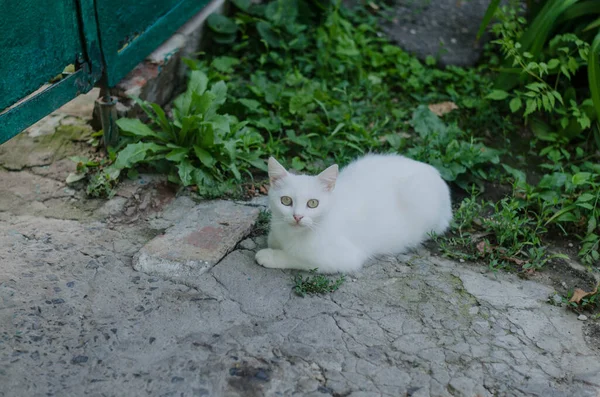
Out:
{"x": 316, "y": 284}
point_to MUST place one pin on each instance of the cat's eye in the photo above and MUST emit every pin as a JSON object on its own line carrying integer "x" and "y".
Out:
{"x": 286, "y": 200}
{"x": 312, "y": 203}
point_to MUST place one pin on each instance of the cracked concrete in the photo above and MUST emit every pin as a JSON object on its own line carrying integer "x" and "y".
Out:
{"x": 77, "y": 319}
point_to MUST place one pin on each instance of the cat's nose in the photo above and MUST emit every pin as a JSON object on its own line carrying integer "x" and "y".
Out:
{"x": 298, "y": 218}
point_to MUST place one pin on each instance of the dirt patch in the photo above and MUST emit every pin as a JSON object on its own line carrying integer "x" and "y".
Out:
{"x": 564, "y": 278}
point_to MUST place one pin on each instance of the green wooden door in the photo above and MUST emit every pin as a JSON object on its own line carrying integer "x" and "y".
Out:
{"x": 95, "y": 40}
{"x": 131, "y": 29}
{"x": 38, "y": 41}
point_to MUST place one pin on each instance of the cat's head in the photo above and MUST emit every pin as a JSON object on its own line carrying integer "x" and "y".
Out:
{"x": 300, "y": 200}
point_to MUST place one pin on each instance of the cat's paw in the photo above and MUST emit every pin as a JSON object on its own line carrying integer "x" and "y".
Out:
{"x": 266, "y": 258}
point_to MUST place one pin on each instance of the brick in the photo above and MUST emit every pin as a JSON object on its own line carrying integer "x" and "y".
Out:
{"x": 209, "y": 232}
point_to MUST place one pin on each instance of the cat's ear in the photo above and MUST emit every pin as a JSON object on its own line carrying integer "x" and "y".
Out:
{"x": 276, "y": 171}
{"x": 328, "y": 177}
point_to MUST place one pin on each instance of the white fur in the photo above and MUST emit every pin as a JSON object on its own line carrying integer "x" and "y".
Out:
{"x": 379, "y": 204}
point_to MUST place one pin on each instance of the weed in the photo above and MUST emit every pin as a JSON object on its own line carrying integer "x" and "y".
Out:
{"x": 589, "y": 302}
{"x": 506, "y": 234}
{"x": 101, "y": 180}
{"x": 261, "y": 227}
{"x": 322, "y": 87}
{"x": 316, "y": 284}
{"x": 101, "y": 185}
{"x": 544, "y": 68}
{"x": 196, "y": 146}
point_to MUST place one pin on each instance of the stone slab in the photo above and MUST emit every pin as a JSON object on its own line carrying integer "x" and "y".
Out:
{"x": 209, "y": 231}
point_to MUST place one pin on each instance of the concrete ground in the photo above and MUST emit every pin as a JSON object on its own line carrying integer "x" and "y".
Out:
{"x": 77, "y": 319}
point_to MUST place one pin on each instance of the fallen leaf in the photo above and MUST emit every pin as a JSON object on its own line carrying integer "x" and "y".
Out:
{"x": 264, "y": 189}
{"x": 440, "y": 109}
{"x": 484, "y": 247}
{"x": 579, "y": 294}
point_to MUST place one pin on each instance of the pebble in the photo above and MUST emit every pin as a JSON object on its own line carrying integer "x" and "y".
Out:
{"x": 461, "y": 260}
{"x": 582, "y": 317}
{"x": 557, "y": 299}
{"x": 571, "y": 245}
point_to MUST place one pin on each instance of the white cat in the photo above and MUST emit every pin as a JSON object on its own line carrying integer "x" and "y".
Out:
{"x": 379, "y": 204}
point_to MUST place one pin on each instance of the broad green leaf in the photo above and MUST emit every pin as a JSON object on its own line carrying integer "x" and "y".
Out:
{"x": 553, "y": 63}
{"x": 135, "y": 153}
{"x": 235, "y": 171}
{"x": 219, "y": 91}
{"x": 426, "y": 123}
{"x": 497, "y": 95}
{"x": 204, "y": 156}
{"x": 587, "y": 206}
{"x": 161, "y": 117}
{"x": 585, "y": 197}
{"x": 242, "y": 4}
{"x": 251, "y": 104}
{"x": 298, "y": 102}
{"x": 515, "y": 173}
{"x": 230, "y": 146}
{"x": 198, "y": 82}
{"x": 260, "y": 164}
{"x": 530, "y": 107}
{"x": 182, "y": 104}
{"x": 201, "y": 103}
{"x": 137, "y": 128}
{"x": 594, "y": 72}
{"x": 515, "y": 104}
{"x": 225, "y": 64}
{"x": 207, "y": 137}
{"x": 267, "y": 34}
{"x": 219, "y": 123}
{"x": 221, "y": 24}
{"x": 177, "y": 155}
{"x": 581, "y": 178}
{"x": 185, "y": 170}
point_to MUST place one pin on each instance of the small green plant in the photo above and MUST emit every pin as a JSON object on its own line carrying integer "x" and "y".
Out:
{"x": 261, "y": 227}
{"x": 196, "y": 146}
{"x": 316, "y": 284}
{"x": 580, "y": 300}
{"x": 544, "y": 57}
{"x": 506, "y": 234}
{"x": 100, "y": 177}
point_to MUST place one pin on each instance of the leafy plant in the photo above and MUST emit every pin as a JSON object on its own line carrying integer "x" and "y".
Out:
{"x": 197, "y": 145}
{"x": 316, "y": 284}
{"x": 506, "y": 234}
{"x": 456, "y": 155}
{"x": 543, "y": 61}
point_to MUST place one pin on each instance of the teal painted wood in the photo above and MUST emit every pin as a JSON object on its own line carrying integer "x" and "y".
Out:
{"x": 104, "y": 39}
{"x": 20, "y": 116}
{"x": 37, "y": 41}
{"x": 131, "y": 29}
